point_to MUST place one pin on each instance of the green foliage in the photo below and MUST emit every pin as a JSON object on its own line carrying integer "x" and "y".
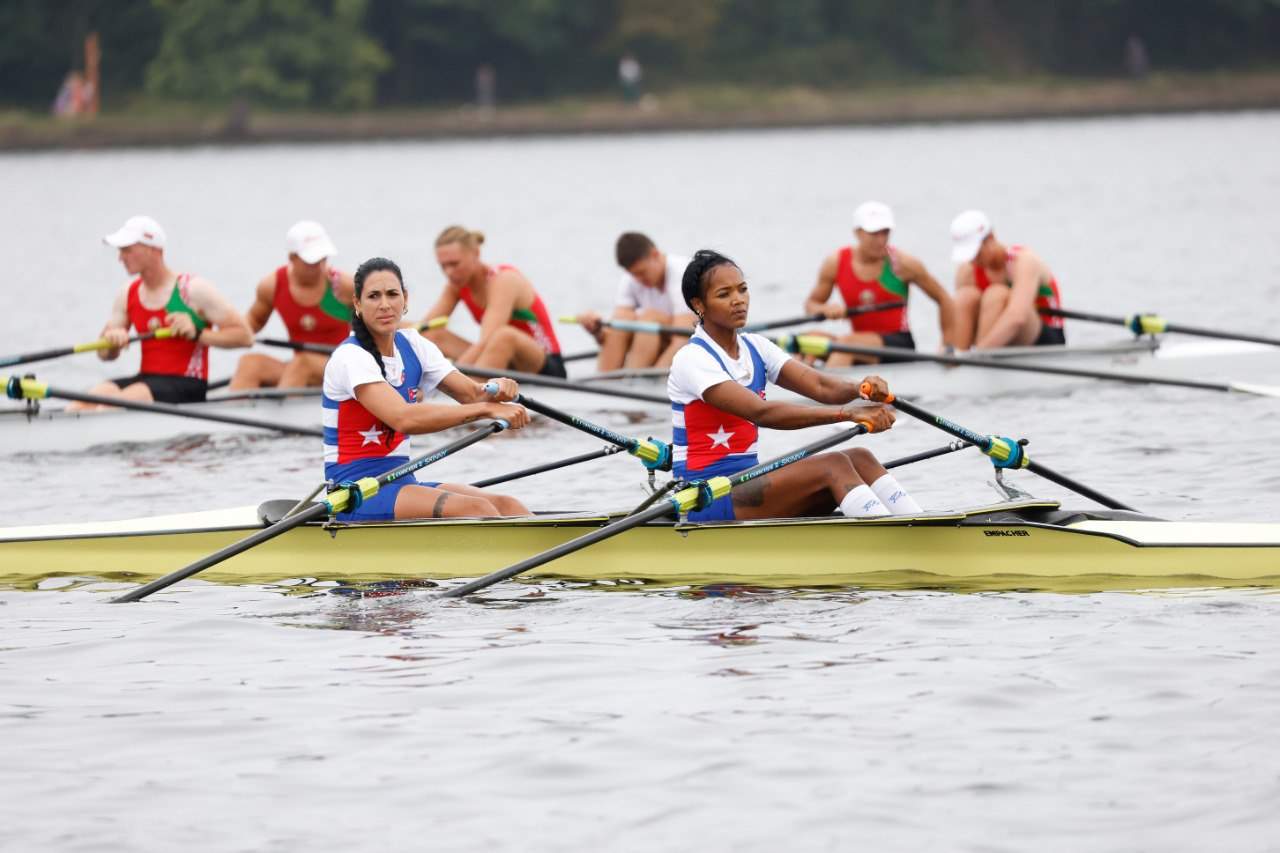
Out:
{"x": 277, "y": 52}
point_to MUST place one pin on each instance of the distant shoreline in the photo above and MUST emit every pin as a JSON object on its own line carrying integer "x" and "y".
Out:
{"x": 726, "y": 108}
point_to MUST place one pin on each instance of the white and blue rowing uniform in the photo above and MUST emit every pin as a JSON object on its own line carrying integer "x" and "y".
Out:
{"x": 356, "y": 443}
{"x": 709, "y": 442}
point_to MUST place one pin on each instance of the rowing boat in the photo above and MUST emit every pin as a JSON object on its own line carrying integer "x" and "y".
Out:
{"x": 1153, "y": 356}
{"x": 1027, "y": 544}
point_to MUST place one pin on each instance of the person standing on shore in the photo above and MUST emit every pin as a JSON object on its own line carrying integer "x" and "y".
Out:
{"x": 630, "y": 76}
{"x": 515, "y": 329}
{"x": 644, "y": 294}
{"x": 314, "y": 301}
{"x": 1000, "y": 290}
{"x": 872, "y": 272}
{"x": 174, "y": 369}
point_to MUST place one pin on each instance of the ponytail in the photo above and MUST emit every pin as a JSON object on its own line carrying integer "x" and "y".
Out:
{"x": 362, "y": 334}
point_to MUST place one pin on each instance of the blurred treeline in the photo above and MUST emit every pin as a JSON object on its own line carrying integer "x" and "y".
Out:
{"x": 361, "y": 53}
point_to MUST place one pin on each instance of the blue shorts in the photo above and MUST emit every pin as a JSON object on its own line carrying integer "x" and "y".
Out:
{"x": 382, "y": 506}
{"x": 721, "y": 509}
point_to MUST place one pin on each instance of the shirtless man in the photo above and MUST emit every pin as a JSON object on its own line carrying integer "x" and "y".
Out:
{"x": 644, "y": 293}
{"x": 174, "y": 369}
{"x": 1000, "y": 289}
{"x": 314, "y": 301}
{"x": 871, "y": 272}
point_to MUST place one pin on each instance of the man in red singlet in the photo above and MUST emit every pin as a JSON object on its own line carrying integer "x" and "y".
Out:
{"x": 174, "y": 369}
{"x": 872, "y": 272}
{"x": 314, "y": 301}
{"x": 515, "y": 328}
{"x": 1000, "y": 289}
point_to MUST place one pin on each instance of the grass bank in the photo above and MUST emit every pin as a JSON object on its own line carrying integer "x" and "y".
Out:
{"x": 702, "y": 108}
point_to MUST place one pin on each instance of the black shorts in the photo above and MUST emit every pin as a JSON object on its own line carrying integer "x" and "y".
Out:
{"x": 897, "y": 340}
{"x": 1050, "y": 336}
{"x": 554, "y": 366}
{"x": 168, "y": 389}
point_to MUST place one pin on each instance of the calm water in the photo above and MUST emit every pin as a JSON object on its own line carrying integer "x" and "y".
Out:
{"x": 558, "y": 717}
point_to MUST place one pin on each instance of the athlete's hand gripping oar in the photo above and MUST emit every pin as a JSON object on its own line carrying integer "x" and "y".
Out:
{"x": 689, "y": 498}
{"x": 655, "y": 454}
{"x": 817, "y": 345}
{"x": 346, "y": 495}
{"x": 1004, "y": 452}
{"x": 28, "y": 388}
{"x": 1153, "y": 324}
{"x": 91, "y": 346}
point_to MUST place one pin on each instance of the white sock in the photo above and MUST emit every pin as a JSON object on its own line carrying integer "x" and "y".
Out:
{"x": 861, "y": 502}
{"x": 894, "y": 497}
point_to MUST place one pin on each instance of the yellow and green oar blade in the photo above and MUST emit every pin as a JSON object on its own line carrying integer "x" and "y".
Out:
{"x": 91, "y": 346}
{"x": 29, "y": 388}
{"x": 336, "y": 501}
{"x": 817, "y": 345}
{"x": 1153, "y": 324}
{"x": 682, "y": 501}
{"x": 1004, "y": 452}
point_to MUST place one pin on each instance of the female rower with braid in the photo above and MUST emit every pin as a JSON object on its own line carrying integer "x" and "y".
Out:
{"x": 716, "y": 386}
{"x": 374, "y": 387}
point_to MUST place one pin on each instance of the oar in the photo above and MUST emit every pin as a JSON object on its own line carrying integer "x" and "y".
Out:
{"x": 91, "y": 346}
{"x": 490, "y": 373}
{"x": 28, "y": 388}
{"x": 817, "y": 318}
{"x": 549, "y": 466}
{"x": 691, "y": 497}
{"x": 927, "y": 454}
{"x": 347, "y": 494}
{"x": 1153, "y": 324}
{"x": 647, "y": 327}
{"x": 656, "y": 455}
{"x": 1004, "y": 452}
{"x": 820, "y": 346}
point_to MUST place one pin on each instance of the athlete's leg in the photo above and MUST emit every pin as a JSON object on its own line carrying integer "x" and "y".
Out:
{"x": 966, "y": 301}
{"x": 304, "y": 370}
{"x": 858, "y": 339}
{"x": 255, "y": 370}
{"x": 613, "y": 350}
{"x": 813, "y": 486}
{"x": 990, "y": 307}
{"x": 675, "y": 342}
{"x": 510, "y": 348}
{"x": 137, "y": 391}
{"x": 504, "y": 504}
{"x": 450, "y": 344}
{"x": 430, "y": 502}
{"x": 645, "y": 346}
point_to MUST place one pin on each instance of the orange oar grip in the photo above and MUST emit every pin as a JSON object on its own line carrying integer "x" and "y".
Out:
{"x": 866, "y": 392}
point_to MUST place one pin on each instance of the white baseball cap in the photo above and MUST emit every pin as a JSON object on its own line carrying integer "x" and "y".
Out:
{"x": 873, "y": 216}
{"x": 137, "y": 229}
{"x": 968, "y": 230}
{"x": 308, "y": 240}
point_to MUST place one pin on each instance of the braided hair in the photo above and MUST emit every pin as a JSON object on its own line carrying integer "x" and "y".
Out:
{"x": 363, "y": 336}
{"x": 696, "y": 274}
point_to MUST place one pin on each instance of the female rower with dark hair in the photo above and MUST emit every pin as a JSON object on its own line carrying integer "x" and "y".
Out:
{"x": 716, "y": 387}
{"x": 374, "y": 387}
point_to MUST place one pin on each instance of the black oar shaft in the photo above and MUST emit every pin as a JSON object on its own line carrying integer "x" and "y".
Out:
{"x": 315, "y": 512}
{"x": 625, "y": 442}
{"x": 180, "y": 411}
{"x": 659, "y": 510}
{"x": 1177, "y": 328}
{"x": 563, "y": 384}
{"x": 549, "y": 466}
{"x": 927, "y": 454}
{"x": 1025, "y": 367}
{"x": 984, "y": 442}
{"x": 59, "y": 352}
{"x": 855, "y": 311}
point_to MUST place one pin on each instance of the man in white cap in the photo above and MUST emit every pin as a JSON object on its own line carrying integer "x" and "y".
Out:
{"x": 175, "y": 369}
{"x": 314, "y": 301}
{"x": 870, "y": 273}
{"x": 1000, "y": 290}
